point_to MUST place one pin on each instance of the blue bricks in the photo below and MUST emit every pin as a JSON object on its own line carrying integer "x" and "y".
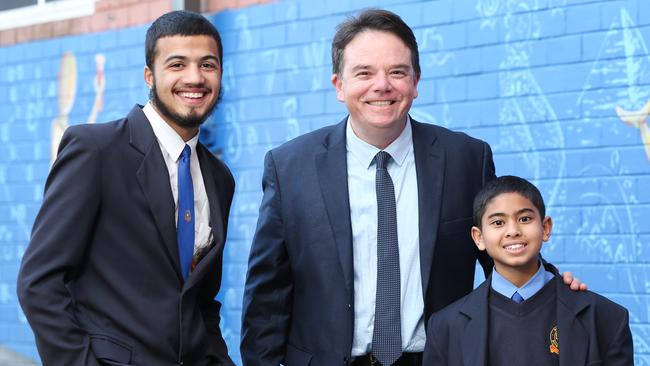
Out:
{"x": 543, "y": 82}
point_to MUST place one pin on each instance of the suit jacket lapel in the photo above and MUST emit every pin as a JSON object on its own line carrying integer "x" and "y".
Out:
{"x": 474, "y": 343}
{"x": 154, "y": 181}
{"x": 574, "y": 339}
{"x": 429, "y": 165}
{"x": 331, "y": 166}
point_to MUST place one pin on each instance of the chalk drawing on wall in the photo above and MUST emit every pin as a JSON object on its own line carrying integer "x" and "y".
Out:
{"x": 621, "y": 69}
{"x": 531, "y": 120}
{"x": 609, "y": 230}
{"x": 430, "y": 38}
{"x": 66, "y": 93}
{"x": 636, "y": 68}
{"x": 638, "y": 119}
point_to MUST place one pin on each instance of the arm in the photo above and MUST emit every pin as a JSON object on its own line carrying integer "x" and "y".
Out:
{"x": 211, "y": 308}
{"x": 432, "y": 353}
{"x": 62, "y": 231}
{"x": 211, "y": 313}
{"x": 268, "y": 292}
{"x": 487, "y": 176}
{"x": 620, "y": 351}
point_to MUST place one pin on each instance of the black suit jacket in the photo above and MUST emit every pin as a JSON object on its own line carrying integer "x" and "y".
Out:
{"x": 100, "y": 281}
{"x": 592, "y": 330}
{"x": 298, "y": 298}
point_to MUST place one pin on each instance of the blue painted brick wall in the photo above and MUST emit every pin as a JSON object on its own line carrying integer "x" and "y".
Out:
{"x": 540, "y": 80}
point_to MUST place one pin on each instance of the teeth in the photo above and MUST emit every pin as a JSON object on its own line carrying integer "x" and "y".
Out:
{"x": 381, "y": 103}
{"x": 191, "y": 95}
{"x": 513, "y": 247}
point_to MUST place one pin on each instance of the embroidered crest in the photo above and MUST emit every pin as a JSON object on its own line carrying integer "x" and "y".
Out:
{"x": 188, "y": 216}
{"x": 554, "y": 337}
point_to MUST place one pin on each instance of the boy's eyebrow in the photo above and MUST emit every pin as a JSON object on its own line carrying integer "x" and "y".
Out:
{"x": 496, "y": 214}
{"x": 501, "y": 214}
{"x": 525, "y": 209}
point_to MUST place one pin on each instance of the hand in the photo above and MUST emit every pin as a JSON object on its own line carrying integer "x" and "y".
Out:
{"x": 573, "y": 282}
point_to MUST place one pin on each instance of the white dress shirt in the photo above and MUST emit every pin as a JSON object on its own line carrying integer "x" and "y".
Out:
{"x": 171, "y": 146}
{"x": 363, "y": 214}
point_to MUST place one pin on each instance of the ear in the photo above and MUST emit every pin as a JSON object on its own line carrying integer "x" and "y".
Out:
{"x": 148, "y": 77}
{"x": 416, "y": 80}
{"x": 477, "y": 235}
{"x": 547, "y": 224}
{"x": 338, "y": 85}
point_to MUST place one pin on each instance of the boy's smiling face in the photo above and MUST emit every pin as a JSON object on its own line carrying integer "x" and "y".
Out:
{"x": 512, "y": 232}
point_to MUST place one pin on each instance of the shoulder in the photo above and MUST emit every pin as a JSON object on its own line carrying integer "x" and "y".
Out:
{"x": 596, "y": 305}
{"x": 604, "y": 307}
{"x": 454, "y": 312}
{"x": 98, "y": 132}
{"x": 310, "y": 141}
{"x": 447, "y": 137}
{"x": 95, "y": 135}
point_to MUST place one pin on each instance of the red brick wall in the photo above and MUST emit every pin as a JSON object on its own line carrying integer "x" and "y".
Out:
{"x": 112, "y": 14}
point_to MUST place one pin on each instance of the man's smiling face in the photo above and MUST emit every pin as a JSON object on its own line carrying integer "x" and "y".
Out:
{"x": 377, "y": 83}
{"x": 185, "y": 80}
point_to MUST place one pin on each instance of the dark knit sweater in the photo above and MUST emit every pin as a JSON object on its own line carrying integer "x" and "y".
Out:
{"x": 520, "y": 334}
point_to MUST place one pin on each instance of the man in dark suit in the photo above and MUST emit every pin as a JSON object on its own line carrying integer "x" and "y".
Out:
{"x": 363, "y": 230}
{"x": 125, "y": 256}
{"x": 315, "y": 271}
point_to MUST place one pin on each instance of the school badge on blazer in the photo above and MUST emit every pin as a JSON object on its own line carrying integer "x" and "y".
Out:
{"x": 554, "y": 337}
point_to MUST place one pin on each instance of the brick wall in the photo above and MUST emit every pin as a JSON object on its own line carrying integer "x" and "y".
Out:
{"x": 543, "y": 81}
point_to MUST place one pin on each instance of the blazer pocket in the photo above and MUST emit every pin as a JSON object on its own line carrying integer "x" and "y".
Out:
{"x": 462, "y": 225}
{"x": 296, "y": 357}
{"x": 110, "y": 351}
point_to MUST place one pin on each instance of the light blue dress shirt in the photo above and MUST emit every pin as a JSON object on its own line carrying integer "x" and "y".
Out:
{"x": 530, "y": 288}
{"x": 363, "y": 215}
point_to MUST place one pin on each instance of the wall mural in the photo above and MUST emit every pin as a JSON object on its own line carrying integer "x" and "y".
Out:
{"x": 67, "y": 92}
{"x": 578, "y": 128}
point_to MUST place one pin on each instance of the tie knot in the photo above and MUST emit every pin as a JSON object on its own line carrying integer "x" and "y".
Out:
{"x": 381, "y": 159}
{"x": 187, "y": 151}
{"x": 516, "y": 297}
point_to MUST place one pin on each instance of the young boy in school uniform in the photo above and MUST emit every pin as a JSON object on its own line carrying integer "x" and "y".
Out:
{"x": 523, "y": 314}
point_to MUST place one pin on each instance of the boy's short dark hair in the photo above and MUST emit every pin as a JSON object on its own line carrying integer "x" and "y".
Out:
{"x": 179, "y": 23}
{"x": 376, "y": 20}
{"x": 506, "y": 184}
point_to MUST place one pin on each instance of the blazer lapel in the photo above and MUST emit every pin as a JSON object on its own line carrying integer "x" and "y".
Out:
{"x": 475, "y": 308}
{"x": 154, "y": 182}
{"x": 331, "y": 167}
{"x": 429, "y": 166}
{"x": 574, "y": 339}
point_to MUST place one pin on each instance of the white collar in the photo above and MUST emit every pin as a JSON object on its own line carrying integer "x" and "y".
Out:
{"x": 170, "y": 141}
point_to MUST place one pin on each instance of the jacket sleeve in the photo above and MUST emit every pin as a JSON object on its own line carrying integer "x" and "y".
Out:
{"x": 60, "y": 236}
{"x": 620, "y": 351}
{"x": 268, "y": 292}
{"x": 212, "y": 318}
{"x": 433, "y": 348}
{"x": 211, "y": 308}
{"x": 488, "y": 175}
